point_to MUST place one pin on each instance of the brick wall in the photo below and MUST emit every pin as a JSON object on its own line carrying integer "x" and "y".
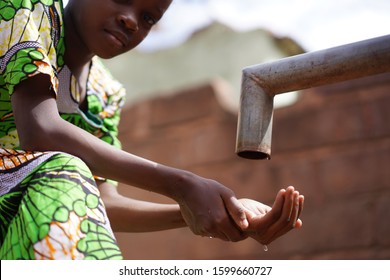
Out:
{"x": 333, "y": 145}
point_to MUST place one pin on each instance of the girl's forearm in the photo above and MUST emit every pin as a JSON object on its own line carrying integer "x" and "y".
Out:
{"x": 130, "y": 215}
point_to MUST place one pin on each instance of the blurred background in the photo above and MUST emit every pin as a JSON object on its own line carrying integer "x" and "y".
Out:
{"x": 330, "y": 142}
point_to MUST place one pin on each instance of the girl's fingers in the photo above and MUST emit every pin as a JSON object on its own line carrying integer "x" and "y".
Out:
{"x": 301, "y": 202}
{"x": 295, "y": 209}
{"x": 283, "y": 217}
{"x": 260, "y": 224}
{"x": 237, "y": 212}
{"x": 288, "y": 206}
{"x": 276, "y": 214}
{"x": 279, "y": 201}
{"x": 288, "y": 218}
{"x": 299, "y": 222}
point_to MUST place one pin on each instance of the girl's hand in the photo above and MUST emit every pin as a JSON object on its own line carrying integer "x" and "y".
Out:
{"x": 267, "y": 224}
{"x": 211, "y": 209}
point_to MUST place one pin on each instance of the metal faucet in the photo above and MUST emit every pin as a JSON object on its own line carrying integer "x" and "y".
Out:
{"x": 260, "y": 83}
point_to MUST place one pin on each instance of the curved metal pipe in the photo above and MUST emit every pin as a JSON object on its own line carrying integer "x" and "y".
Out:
{"x": 260, "y": 83}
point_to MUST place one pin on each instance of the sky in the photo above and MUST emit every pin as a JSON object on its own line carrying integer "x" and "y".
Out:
{"x": 314, "y": 24}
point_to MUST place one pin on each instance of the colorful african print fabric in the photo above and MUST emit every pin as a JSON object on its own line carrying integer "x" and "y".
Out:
{"x": 50, "y": 207}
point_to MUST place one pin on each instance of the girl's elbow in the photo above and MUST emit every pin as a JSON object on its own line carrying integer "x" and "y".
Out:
{"x": 35, "y": 139}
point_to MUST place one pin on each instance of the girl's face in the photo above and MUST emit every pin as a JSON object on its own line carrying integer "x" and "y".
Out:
{"x": 108, "y": 28}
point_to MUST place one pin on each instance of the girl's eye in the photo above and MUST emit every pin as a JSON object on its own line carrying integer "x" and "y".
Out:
{"x": 149, "y": 19}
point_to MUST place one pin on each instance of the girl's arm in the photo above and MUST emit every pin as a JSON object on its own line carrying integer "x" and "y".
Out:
{"x": 206, "y": 205}
{"x": 265, "y": 223}
{"x": 130, "y": 215}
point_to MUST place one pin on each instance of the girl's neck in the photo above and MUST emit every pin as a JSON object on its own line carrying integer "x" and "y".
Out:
{"x": 77, "y": 55}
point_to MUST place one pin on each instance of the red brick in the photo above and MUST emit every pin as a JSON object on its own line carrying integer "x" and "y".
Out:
{"x": 381, "y": 221}
{"x": 191, "y": 103}
{"x": 356, "y": 168}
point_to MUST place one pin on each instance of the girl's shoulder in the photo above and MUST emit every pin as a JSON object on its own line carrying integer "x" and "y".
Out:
{"x": 32, "y": 37}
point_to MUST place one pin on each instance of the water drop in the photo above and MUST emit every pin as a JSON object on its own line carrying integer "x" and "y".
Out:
{"x": 265, "y": 247}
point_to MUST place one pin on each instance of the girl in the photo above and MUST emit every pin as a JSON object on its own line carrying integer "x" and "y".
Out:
{"x": 60, "y": 156}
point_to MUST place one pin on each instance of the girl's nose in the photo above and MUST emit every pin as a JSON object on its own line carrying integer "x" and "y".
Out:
{"x": 128, "y": 20}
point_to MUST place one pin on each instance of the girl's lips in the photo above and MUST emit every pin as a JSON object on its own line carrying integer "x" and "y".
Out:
{"x": 118, "y": 38}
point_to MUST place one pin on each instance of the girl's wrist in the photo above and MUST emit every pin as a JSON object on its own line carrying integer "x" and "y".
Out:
{"x": 178, "y": 182}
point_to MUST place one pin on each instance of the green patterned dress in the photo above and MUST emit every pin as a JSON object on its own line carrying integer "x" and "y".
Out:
{"x": 50, "y": 207}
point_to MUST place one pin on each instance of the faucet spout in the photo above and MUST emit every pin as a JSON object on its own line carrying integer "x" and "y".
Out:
{"x": 255, "y": 119}
{"x": 260, "y": 83}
